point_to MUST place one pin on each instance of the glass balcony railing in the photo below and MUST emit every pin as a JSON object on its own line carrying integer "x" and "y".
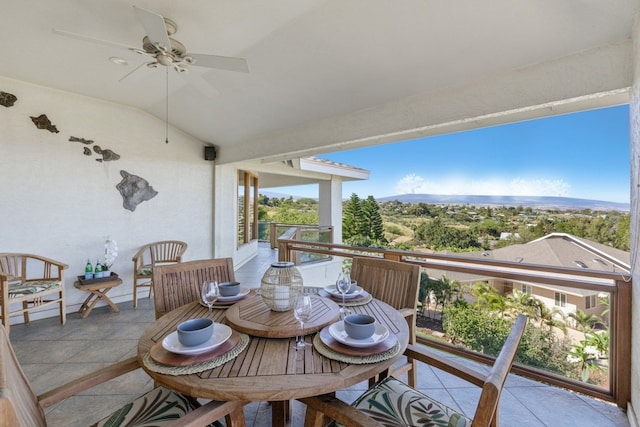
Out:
{"x": 579, "y": 331}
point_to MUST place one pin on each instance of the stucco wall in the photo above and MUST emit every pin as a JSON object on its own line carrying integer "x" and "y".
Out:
{"x": 57, "y": 202}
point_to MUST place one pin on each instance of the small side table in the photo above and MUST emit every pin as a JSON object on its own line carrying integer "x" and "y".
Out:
{"x": 97, "y": 289}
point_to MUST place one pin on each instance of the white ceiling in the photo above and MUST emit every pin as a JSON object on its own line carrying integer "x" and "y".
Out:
{"x": 333, "y": 74}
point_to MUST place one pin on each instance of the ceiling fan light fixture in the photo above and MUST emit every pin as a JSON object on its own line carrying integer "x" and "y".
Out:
{"x": 165, "y": 60}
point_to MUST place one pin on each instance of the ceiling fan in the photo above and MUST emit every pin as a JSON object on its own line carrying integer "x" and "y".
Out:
{"x": 164, "y": 50}
{"x": 168, "y": 52}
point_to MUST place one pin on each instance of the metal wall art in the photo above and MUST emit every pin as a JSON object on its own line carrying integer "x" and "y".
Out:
{"x": 107, "y": 155}
{"x": 43, "y": 122}
{"x": 7, "y": 99}
{"x": 134, "y": 190}
{"x": 81, "y": 140}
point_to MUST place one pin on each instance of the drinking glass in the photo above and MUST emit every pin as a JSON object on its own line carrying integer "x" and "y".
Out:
{"x": 344, "y": 284}
{"x": 302, "y": 312}
{"x": 210, "y": 293}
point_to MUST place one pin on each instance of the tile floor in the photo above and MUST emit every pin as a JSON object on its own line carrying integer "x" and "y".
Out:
{"x": 52, "y": 354}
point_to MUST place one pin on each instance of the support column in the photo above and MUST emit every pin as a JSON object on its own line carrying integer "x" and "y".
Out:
{"x": 330, "y": 206}
{"x": 634, "y": 127}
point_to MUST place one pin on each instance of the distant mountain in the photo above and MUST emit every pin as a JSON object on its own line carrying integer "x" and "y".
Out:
{"x": 562, "y": 203}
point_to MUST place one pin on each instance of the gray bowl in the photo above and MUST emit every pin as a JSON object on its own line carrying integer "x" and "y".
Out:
{"x": 195, "y": 332}
{"x": 354, "y": 286}
{"x": 229, "y": 289}
{"x": 359, "y": 326}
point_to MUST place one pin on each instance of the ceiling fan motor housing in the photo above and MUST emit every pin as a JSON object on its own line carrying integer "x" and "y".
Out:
{"x": 178, "y": 50}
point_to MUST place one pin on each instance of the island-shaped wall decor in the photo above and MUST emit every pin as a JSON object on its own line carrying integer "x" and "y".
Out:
{"x": 107, "y": 154}
{"x": 134, "y": 190}
{"x": 43, "y": 122}
{"x": 7, "y": 99}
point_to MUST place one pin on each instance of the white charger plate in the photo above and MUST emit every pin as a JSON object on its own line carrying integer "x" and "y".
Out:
{"x": 243, "y": 293}
{"x": 336, "y": 330}
{"x": 333, "y": 290}
{"x": 221, "y": 333}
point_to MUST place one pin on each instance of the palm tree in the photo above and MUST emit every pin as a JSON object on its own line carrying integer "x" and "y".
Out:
{"x": 522, "y": 302}
{"x": 484, "y": 293}
{"x": 583, "y": 320}
{"x": 553, "y": 317}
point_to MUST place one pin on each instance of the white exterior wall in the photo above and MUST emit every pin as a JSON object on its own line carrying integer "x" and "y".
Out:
{"x": 59, "y": 203}
{"x": 330, "y": 206}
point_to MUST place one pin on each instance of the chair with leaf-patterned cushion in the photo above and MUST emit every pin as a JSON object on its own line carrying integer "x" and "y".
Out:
{"x": 160, "y": 407}
{"x": 393, "y": 403}
{"x": 30, "y": 281}
{"x": 164, "y": 252}
{"x": 397, "y": 284}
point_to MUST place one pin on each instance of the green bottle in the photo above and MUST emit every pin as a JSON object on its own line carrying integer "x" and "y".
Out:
{"x": 97, "y": 273}
{"x": 88, "y": 271}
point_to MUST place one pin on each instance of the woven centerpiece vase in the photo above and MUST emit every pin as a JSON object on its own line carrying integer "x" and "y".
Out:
{"x": 280, "y": 286}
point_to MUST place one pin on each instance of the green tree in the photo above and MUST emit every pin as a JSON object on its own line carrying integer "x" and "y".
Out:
{"x": 583, "y": 320}
{"x": 373, "y": 225}
{"x": 352, "y": 223}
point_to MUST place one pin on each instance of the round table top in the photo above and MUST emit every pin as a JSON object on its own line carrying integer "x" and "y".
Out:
{"x": 269, "y": 369}
{"x": 253, "y": 317}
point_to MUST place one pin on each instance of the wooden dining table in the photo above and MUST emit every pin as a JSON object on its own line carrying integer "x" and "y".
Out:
{"x": 270, "y": 368}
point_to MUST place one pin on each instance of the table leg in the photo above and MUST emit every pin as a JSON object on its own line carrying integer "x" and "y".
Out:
{"x": 103, "y": 296}
{"x": 280, "y": 413}
{"x": 85, "y": 304}
{"x": 93, "y": 298}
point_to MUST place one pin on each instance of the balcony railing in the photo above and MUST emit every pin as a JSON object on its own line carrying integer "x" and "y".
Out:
{"x": 616, "y": 383}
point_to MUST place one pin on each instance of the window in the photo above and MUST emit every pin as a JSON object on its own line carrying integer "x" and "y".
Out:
{"x": 561, "y": 299}
{"x": 247, "y": 207}
{"x": 526, "y": 289}
{"x": 590, "y": 301}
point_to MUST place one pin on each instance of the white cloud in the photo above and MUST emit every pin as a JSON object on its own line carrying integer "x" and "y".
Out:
{"x": 416, "y": 184}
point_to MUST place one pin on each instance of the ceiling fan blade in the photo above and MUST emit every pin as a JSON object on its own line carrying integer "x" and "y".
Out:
{"x": 154, "y": 26}
{"x": 91, "y": 39}
{"x": 220, "y": 62}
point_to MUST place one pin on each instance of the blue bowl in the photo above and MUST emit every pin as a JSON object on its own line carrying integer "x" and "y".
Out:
{"x": 229, "y": 289}
{"x": 353, "y": 287}
{"x": 195, "y": 332}
{"x": 359, "y": 326}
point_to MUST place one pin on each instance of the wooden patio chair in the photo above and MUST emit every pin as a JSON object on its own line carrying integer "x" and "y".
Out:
{"x": 32, "y": 281}
{"x": 179, "y": 284}
{"x": 148, "y": 256}
{"x": 20, "y": 406}
{"x": 391, "y": 402}
{"x": 397, "y": 284}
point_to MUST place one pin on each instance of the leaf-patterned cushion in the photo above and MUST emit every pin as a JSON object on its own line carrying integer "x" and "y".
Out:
{"x": 393, "y": 403}
{"x": 21, "y": 289}
{"x": 145, "y": 270}
{"x": 156, "y": 408}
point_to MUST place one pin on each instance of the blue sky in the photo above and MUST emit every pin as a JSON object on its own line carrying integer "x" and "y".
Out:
{"x": 582, "y": 155}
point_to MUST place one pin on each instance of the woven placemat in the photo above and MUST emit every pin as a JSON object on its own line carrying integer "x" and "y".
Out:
{"x": 360, "y": 301}
{"x": 363, "y": 301}
{"x": 200, "y": 367}
{"x": 356, "y": 360}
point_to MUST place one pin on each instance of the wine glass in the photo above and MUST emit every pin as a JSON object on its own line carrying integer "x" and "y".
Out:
{"x": 210, "y": 293}
{"x": 344, "y": 284}
{"x": 302, "y": 312}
